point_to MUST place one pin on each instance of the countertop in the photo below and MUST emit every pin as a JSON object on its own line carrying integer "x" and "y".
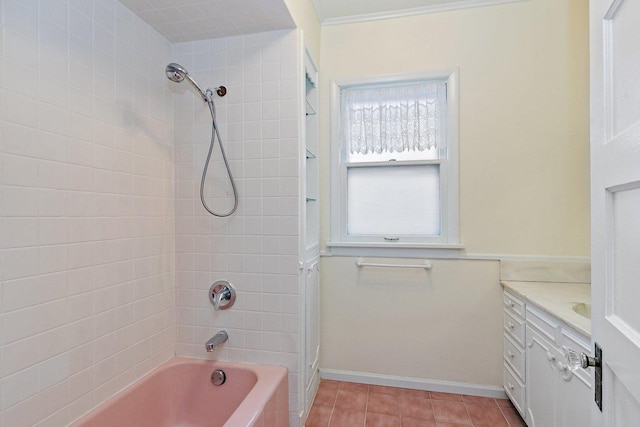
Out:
{"x": 556, "y": 299}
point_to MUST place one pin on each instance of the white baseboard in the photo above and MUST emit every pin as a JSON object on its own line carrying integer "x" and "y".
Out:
{"x": 414, "y": 383}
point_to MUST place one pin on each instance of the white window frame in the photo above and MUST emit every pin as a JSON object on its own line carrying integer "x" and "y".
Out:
{"x": 449, "y": 239}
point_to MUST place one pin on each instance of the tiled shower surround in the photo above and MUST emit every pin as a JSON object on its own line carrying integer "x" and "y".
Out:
{"x": 257, "y": 248}
{"x": 87, "y": 210}
{"x": 87, "y": 207}
{"x": 105, "y": 250}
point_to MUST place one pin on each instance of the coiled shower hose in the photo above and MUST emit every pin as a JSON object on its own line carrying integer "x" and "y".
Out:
{"x": 215, "y": 133}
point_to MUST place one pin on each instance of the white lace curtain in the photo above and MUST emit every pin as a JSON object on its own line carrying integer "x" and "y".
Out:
{"x": 394, "y": 118}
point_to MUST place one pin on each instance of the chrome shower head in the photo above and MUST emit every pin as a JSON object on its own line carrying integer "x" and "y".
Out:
{"x": 177, "y": 73}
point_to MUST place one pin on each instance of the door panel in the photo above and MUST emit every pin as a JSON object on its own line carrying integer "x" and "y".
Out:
{"x": 312, "y": 332}
{"x": 542, "y": 380}
{"x": 615, "y": 205}
{"x": 626, "y": 407}
{"x": 625, "y": 67}
{"x": 575, "y": 391}
{"x": 625, "y": 214}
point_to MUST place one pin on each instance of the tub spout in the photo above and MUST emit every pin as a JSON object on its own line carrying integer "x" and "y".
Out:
{"x": 216, "y": 340}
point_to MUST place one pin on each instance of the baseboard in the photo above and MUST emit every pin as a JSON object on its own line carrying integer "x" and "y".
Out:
{"x": 414, "y": 383}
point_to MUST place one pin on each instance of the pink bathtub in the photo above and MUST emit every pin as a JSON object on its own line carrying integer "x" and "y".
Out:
{"x": 180, "y": 394}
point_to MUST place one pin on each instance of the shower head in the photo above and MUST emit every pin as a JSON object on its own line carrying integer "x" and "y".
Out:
{"x": 177, "y": 73}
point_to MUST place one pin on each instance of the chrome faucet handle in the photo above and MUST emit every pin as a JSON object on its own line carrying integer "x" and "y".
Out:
{"x": 222, "y": 295}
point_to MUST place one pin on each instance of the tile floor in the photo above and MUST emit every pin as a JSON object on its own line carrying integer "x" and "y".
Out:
{"x": 344, "y": 404}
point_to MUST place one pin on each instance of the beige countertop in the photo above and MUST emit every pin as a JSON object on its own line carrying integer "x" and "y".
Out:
{"x": 556, "y": 299}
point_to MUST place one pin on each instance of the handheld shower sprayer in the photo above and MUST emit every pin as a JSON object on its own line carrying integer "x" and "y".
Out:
{"x": 177, "y": 73}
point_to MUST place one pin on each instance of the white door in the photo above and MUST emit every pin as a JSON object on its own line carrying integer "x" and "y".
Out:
{"x": 615, "y": 206}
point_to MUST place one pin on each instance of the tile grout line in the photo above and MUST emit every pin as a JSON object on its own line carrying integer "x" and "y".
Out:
{"x": 505, "y": 417}
{"x": 366, "y": 408}
{"x": 333, "y": 407}
{"x": 467, "y": 410}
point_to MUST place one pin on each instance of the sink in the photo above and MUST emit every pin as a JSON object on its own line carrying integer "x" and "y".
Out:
{"x": 583, "y": 309}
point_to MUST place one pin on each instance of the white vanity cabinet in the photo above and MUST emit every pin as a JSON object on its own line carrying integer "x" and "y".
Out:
{"x": 536, "y": 378}
{"x": 555, "y": 395}
{"x": 514, "y": 377}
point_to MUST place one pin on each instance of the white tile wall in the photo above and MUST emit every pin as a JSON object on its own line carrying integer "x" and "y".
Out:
{"x": 86, "y": 206}
{"x": 257, "y": 248}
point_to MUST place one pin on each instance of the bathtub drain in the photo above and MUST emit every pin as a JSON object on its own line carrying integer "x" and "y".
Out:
{"x": 218, "y": 377}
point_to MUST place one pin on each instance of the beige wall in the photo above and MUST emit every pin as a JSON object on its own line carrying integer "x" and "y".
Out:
{"x": 524, "y": 181}
{"x": 524, "y": 119}
{"x": 305, "y": 18}
{"x": 438, "y": 325}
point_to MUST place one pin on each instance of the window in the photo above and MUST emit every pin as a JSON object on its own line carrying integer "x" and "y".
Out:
{"x": 395, "y": 163}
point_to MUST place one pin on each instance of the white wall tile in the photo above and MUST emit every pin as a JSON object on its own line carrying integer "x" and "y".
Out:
{"x": 19, "y": 232}
{"x": 67, "y": 175}
{"x": 19, "y": 386}
{"x": 21, "y": 79}
{"x": 19, "y": 263}
{"x": 19, "y": 170}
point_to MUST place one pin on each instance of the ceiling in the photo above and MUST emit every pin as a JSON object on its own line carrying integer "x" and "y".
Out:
{"x": 188, "y": 20}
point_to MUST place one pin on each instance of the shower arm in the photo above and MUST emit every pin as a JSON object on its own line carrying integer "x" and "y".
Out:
{"x": 207, "y": 94}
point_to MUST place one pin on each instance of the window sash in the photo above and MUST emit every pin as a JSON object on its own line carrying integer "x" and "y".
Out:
{"x": 443, "y": 202}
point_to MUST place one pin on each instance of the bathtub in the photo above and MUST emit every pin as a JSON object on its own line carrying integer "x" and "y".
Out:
{"x": 179, "y": 393}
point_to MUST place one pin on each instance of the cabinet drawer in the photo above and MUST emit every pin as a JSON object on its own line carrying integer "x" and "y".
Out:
{"x": 514, "y": 327}
{"x": 544, "y": 323}
{"x": 515, "y": 390}
{"x": 514, "y": 355}
{"x": 514, "y": 304}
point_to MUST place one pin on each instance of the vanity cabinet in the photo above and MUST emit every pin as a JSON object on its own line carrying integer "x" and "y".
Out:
{"x": 536, "y": 378}
{"x": 556, "y": 396}
{"x": 514, "y": 377}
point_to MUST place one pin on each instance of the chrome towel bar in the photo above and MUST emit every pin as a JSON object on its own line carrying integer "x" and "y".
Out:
{"x": 426, "y": 264}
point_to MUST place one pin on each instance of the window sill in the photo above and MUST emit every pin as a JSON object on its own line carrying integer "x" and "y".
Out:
{"x": 410, "y": 250}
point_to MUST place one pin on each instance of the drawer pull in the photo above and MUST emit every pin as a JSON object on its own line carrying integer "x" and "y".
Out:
{"x": 511, "y": 325}
{"x": 510, "y": 354}
{"x": 510, "y": 386}
{"x": 550, "y": 357}
{"x": 512, "y": 304}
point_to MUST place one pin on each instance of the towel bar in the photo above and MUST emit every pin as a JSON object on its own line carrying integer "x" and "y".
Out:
{"x": 426, "y": 264}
